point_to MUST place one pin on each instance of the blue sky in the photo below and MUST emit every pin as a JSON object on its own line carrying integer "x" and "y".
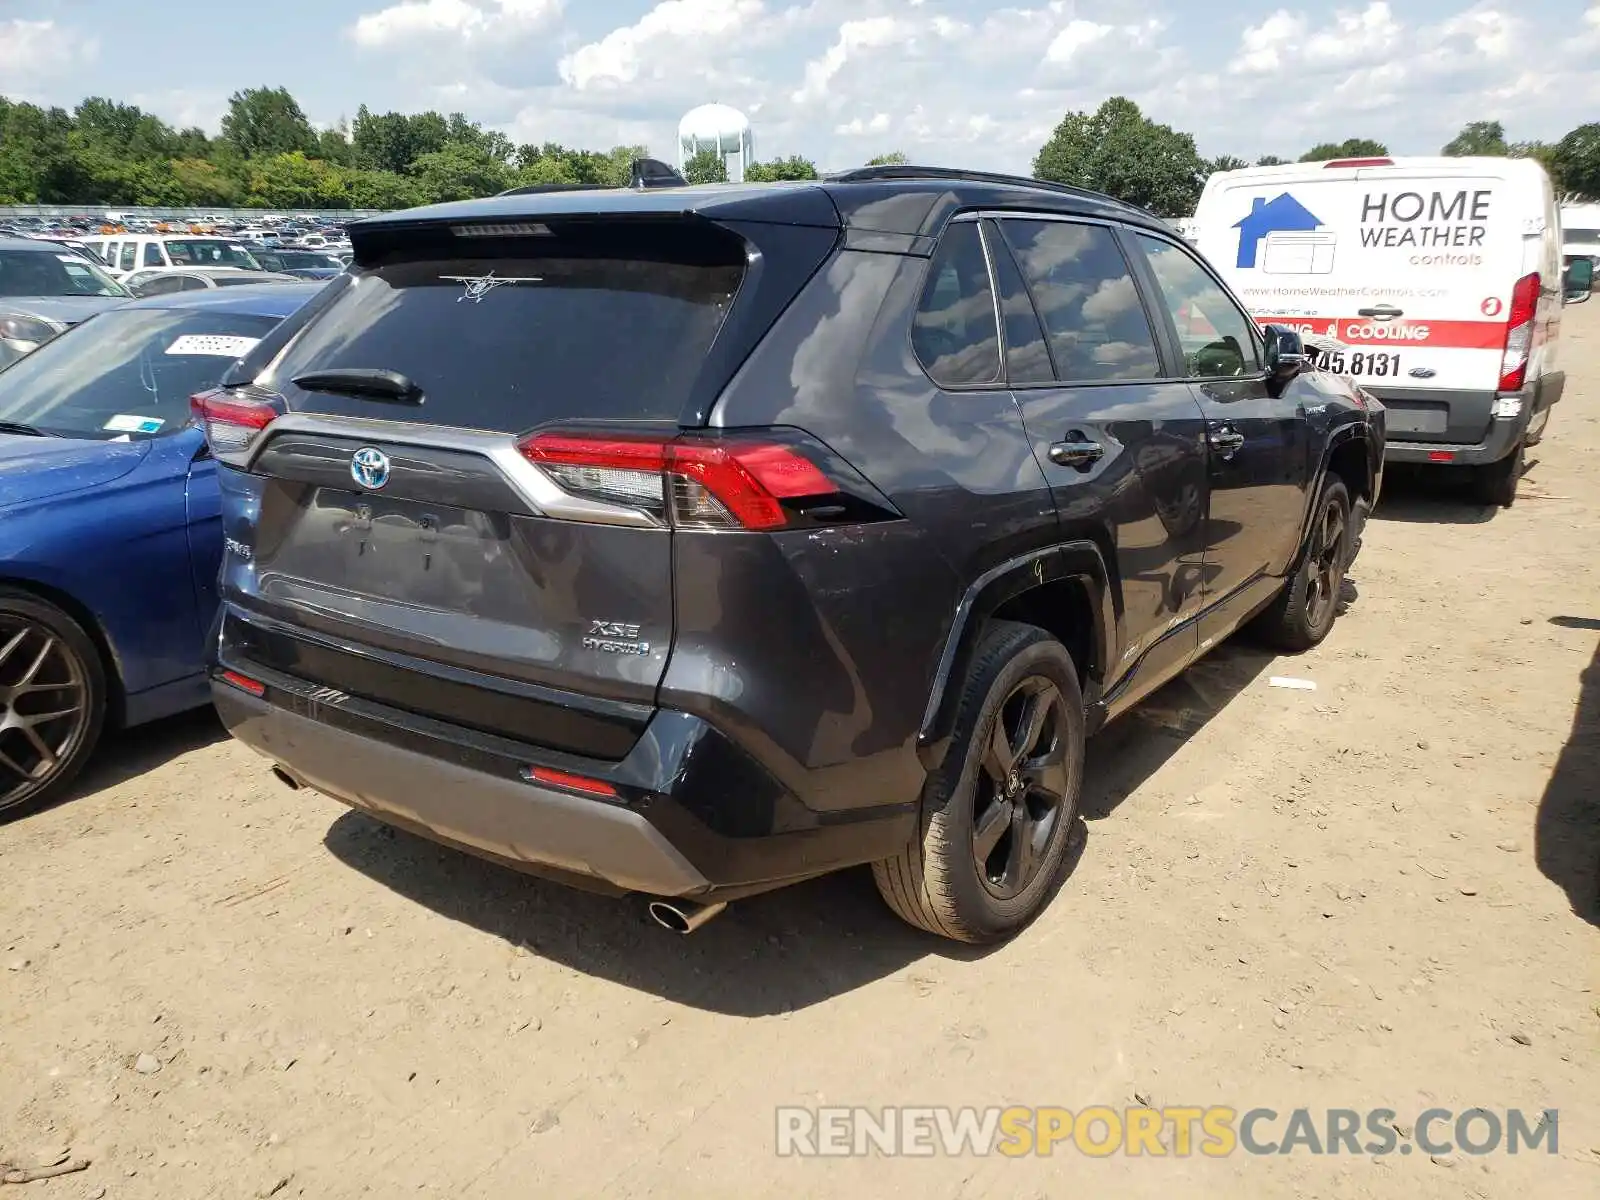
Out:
{"x": 962, "y": 82}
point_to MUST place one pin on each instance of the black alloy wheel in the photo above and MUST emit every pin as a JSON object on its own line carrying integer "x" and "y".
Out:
{"x": 1328, "y": 565}
{"x": 1023, "y": 785}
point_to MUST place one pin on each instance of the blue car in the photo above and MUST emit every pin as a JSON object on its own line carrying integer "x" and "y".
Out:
{"x": 110, "y": 537}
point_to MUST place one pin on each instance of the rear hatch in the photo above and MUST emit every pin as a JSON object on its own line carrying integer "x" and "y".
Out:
{"x": 392, "y": 536}
{"x": 1414, "y": 270}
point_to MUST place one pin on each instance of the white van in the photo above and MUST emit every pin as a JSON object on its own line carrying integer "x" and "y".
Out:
{"x": 1441, "y": 277}
{"x": 127, "y": 252}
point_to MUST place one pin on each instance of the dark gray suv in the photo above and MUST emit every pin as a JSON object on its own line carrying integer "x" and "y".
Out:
{"x": 690, "y": 542}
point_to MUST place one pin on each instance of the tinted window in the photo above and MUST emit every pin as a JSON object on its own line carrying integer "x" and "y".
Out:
{"x": 130, "y": 253}
{"x": 1217, "y": 339}
{"x": 601, "y": 320}
{"x": 127, "y": 371}
{"x": 157, "y": 285}
{"x": 152, "y": 255}
{"x": 955, "y": 333}
{"x": 1086, "y": 296}
{"x": 210, "y": 254}
{"x": 49, "y": 273}
{"x": 1027, "y": 358}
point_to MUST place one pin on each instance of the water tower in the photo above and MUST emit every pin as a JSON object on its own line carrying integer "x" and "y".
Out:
{"x": 722, "y": 130}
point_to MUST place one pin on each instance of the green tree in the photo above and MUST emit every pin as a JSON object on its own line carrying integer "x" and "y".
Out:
{"x": 1350, "y": 148}
{"x": 262, "y": 122}
{"x": 1577, "y": 162}
{"x": 1119, "y": 151}
{"x": 380, "y": 189}
{"x": 892, "y": 159}
{"x": 459, "y": 172}
{"x": 1225, "y": 162}
{"x": 131, "y": 131}
{"x": 793, "y": 167}
{"x": 1478, "y": 138}
{"x": 204, "y": 183}
{"x": 293, "y": 180}
{"x": 1271, "y": 160}
{"x": 706, "y": 166}
{"x": 333, "y": 145}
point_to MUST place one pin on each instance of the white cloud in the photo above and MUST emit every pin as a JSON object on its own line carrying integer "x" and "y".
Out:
{"x": 620, "y": 56}
{"x": 1077, "y": 36}
{"x": 35, "y": 53}
{"x": 416, "y": 20}
{"x": 856, "y": 127}
{"x": 854, "y": 37}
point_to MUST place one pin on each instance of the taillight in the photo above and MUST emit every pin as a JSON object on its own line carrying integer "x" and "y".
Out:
{"x": 693, "y": 483}
{"x": 1519, "y": 333}
{"x": 231, "y": 420}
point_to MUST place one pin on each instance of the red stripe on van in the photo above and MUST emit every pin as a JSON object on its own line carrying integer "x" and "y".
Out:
{"x": 1437, "y": 335}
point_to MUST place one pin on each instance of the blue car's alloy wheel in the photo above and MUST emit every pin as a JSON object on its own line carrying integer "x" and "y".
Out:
{"x": 51, "y": 699}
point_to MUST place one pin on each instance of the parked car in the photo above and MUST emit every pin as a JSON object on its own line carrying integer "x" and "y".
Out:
{"x": 1442, "y": 276}
{"x": 127, "y": 253}
{"x": 109, "y": 530}
{"x": 45, "y": 288}
{"x": 162, "y": 281}
{"x": 307, "y": 264}
{"x": 556, "y": 532}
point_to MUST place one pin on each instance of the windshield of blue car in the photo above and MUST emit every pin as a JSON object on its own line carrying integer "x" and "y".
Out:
{"x": 126, "y": 374}
{"x": 210, "y": 253}
{"x": 53, "y": 273}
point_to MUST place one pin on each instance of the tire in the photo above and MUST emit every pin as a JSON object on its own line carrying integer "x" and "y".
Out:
{"x": 52, "y": 699}
{"x": 1496, "y": 483}
{"x": 1536, "y": 428}
{"x": 1024, "y": 813}
{"x": 1304, "y": 611}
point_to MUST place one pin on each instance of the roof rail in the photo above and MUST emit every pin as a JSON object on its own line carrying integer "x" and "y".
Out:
{"x": 906, "y": 171}
{"x": 646, "y": 174}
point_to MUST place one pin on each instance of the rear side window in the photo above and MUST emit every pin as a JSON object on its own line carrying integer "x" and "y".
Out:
{"x": 1087, "y": 299}
{"x": 955, "y": 333}
{"x": 130, "y": 251}
{"x": 152, "y": 255}
{"x": 1218, "y": 340}
{"x": 607, "y": 323}
{"x": 1027, "y": 357}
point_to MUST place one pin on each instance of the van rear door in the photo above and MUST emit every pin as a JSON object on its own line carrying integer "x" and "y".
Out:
{"x": 1413, "y": 269}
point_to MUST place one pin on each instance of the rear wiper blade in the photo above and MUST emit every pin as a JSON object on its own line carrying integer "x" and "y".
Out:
{"x": 25, "y": 430}
{"x": 369, "y": 382}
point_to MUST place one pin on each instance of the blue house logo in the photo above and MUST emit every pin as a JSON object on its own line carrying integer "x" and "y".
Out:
{"x": 1284, "y": 214}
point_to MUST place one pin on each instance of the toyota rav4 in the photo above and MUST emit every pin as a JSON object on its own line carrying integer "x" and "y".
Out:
{"x": 693, "y": 541}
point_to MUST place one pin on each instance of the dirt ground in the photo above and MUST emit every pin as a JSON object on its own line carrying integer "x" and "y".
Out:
{"x": 1381, "y": 893}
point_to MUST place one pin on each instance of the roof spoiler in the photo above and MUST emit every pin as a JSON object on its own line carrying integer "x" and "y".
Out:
{"x": 646, "y": 174}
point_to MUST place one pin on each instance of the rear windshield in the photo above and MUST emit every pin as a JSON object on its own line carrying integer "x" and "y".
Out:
{"x": 509, "y": 341}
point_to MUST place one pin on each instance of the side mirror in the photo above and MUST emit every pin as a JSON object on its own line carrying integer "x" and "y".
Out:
{"x": 1578, "y": 281}
{"x": 1286, "y": 353}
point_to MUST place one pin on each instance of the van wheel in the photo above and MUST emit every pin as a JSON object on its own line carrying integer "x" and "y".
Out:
{"x": 52, "y": 699}
{"x": 998, "y": 813}
{"x": 1497, "y": 483}
{"x": 1303, "y": 612}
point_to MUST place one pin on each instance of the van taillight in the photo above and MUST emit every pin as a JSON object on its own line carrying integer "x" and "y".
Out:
{"x": 231, "y": 420}
{"x": 1519, "y": 333}
{"x": 690, "y": 483}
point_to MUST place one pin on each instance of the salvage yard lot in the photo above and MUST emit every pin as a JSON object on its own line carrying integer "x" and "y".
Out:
{"x": 1380, "y": 893}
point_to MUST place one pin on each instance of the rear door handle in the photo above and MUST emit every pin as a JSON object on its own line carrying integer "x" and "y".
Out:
{"x": 1382, "y": 312}
{"x": 1076, "y": 453}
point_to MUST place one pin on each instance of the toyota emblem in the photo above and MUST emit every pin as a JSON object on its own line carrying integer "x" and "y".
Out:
{"x": 369, "y": 467}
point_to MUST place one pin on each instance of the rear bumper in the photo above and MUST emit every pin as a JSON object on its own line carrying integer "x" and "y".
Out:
{"x": 693, "y": 816}
{"x": 1426, "y": 426}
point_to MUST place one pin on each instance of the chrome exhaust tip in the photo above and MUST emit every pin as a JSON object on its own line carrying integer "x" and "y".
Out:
{"x": 683, "y": 916}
